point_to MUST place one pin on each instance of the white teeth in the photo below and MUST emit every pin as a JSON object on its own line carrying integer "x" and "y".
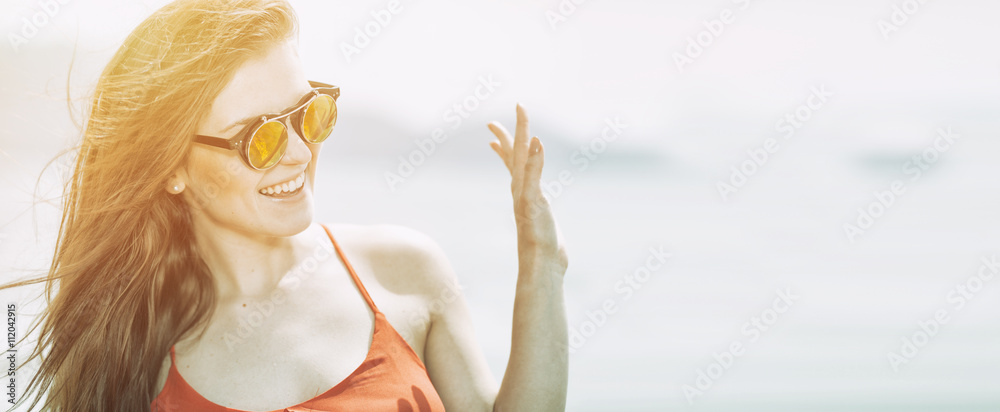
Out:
{"x": 289, "y": 186}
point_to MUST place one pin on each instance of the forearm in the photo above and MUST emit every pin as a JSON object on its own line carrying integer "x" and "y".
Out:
{"x": 537, "y": 371}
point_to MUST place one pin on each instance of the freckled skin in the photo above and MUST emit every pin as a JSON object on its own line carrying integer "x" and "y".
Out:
{"x": 222, "y": 190}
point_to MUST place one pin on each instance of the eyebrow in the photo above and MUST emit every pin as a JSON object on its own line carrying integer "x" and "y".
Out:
{"x": 250, "y": 119}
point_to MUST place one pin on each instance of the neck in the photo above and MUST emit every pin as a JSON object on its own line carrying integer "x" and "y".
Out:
{"x": 245, "y": 264}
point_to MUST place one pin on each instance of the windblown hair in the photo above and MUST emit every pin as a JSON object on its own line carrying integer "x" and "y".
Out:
{"x": 126, "y": 280}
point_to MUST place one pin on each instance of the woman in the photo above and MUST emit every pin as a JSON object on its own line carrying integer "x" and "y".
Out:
{"x": 189, "y": 274}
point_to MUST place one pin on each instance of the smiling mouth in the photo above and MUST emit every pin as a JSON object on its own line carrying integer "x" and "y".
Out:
{"x": 287, "y": 189}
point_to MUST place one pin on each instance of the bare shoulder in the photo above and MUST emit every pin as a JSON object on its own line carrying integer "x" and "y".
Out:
{"x": 404, "y": 260}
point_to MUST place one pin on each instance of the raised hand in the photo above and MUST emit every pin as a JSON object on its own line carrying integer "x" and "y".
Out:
{"x": 539, "y": 244}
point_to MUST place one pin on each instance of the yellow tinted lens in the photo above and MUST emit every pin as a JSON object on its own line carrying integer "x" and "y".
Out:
{"x": 268, "y": 144}
{"x": 319, "y": 119}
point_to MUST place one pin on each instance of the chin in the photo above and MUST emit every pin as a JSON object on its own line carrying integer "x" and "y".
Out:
{"x": 291, "y": 224}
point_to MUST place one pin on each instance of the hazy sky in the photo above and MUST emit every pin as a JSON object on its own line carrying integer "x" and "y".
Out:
{"x": 606, "y": 58}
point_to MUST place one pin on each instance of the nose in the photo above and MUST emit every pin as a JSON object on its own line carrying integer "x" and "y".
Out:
{"x": 297, "y": 151}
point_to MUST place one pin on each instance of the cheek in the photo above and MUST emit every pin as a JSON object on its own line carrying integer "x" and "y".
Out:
{"x": 221, "y": 182}
{"x": 311, "y": 169}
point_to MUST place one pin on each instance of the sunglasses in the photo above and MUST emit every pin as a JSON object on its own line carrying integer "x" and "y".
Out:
{"x": 262, "y": 142}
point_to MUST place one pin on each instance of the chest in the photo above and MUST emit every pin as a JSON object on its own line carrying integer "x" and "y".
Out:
{"x": 266, "y": 354}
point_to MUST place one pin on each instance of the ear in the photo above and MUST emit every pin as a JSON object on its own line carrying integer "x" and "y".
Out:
{"x": 177, "y": 182}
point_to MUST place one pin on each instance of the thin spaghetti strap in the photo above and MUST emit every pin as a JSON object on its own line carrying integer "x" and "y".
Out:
{"x": 361, "y": 287}
{"x": 173, "y": 360}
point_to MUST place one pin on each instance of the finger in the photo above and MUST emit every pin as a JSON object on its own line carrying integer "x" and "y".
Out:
{"x": 520, "y": 149}
{"x": 533, "y": 171}
{"x": 503, "y": 155}
{"x": 535, "y": 162}
{"x": 496, "y": 148}
{"x": 506, "y": 143}
{"x": 532, "y": 188}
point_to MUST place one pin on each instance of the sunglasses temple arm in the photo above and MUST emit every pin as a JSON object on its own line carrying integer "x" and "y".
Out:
{"x": 216, "y": 141}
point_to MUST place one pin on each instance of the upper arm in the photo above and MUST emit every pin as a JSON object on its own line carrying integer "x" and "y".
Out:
{"x": 454, "y": 360}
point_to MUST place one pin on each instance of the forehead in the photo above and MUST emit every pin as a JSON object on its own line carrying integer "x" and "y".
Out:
{"x": 268, "y": 83}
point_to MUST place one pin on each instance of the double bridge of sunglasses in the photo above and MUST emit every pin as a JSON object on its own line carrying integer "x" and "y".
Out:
{"x": 261, "y": 143}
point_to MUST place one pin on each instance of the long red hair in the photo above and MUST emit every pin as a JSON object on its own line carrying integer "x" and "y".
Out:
{"x": 126, "y": 280}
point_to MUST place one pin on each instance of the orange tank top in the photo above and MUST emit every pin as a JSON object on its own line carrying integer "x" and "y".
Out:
{"x": 391, "y": 377}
